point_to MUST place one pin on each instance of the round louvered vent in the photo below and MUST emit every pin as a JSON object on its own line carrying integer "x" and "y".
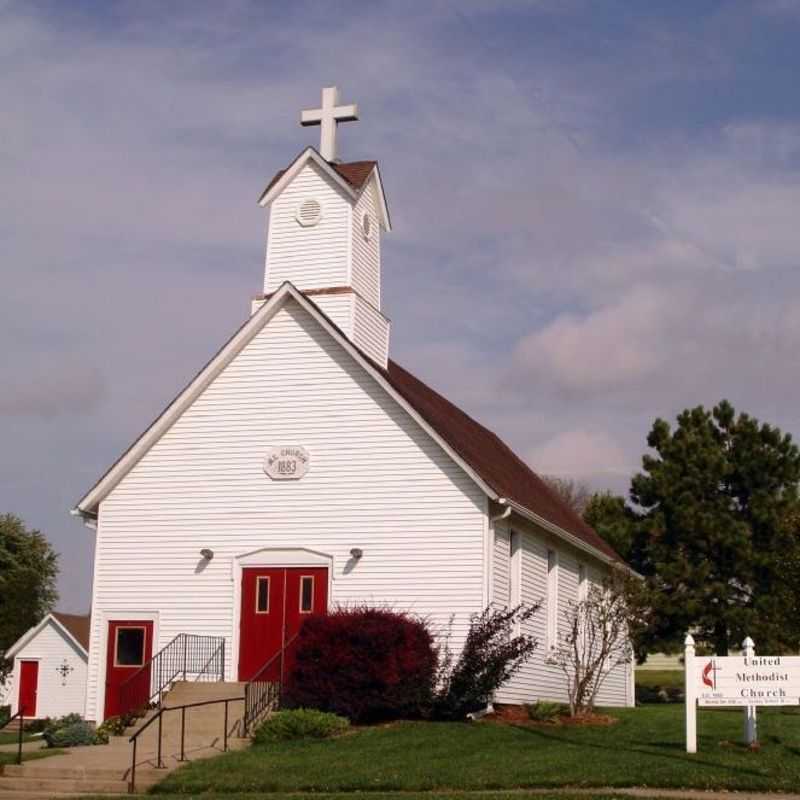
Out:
{"x": 309, "y": 213}
{"x": 366, "y": 226}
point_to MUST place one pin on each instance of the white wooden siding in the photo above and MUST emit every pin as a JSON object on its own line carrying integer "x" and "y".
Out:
{"x": 339, "y": 309}
{"x": 376, "y": 481}
{"x": 370, "y": 331}
{"x": 539, "y": 680}
{"x": 366, "y": 269}
{"x": 56, "y": 697}
{"x": 314, "y": 257}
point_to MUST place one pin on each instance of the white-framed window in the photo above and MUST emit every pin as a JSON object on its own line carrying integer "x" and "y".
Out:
{"x": 583, "y": 583}
{"x": 366, "y": 227}
{"x": 552, "y": 598}
{"x": 129, "y": 646}
{"x": 515, "y": 569}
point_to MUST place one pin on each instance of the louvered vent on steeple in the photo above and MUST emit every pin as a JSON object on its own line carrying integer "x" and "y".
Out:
{"x": 309, "y": 213}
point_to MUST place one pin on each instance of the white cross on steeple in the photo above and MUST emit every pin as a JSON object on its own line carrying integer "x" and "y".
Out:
{"x": 328, "y": 117}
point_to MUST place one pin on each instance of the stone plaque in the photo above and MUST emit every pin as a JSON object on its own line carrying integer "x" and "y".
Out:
{"x": 286, "y": 463}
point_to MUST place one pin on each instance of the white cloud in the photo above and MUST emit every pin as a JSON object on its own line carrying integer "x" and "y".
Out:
{"x": 580, "y": 453}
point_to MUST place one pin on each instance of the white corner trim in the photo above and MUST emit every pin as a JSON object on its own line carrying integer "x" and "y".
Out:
{"x": 386, "y": 221}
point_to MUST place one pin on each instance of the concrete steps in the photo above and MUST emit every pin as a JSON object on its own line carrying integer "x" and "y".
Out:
{"x": 105, "y": 769}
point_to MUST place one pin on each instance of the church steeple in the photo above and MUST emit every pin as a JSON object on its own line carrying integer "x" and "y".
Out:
{"x": 324, "y": 232}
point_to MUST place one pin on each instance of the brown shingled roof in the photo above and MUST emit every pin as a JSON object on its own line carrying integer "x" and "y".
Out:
{"x": 354, "y": 172}
{"x": 78, "y": 625}
{"x": 491, "y": 458}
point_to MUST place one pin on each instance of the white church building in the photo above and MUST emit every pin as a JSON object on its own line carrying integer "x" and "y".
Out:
{"x": 303, "y": 469}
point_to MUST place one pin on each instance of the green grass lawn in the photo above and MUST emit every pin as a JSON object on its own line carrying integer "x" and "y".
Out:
{"x": 12, "y": 737}
{"x": 659, "y": 677}
{"x": 516, "y": 795}
{"x": 645, "y": 748}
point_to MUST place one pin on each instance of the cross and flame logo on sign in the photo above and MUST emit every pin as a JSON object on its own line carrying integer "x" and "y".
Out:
{"x": 710, "y": 674}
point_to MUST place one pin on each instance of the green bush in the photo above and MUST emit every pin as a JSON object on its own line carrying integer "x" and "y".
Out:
{"x": 299, "y": 723}
{"x": 74, "y": 734}
{"x": 70, "y": 731}
{"x": 543, "y": 711}
{"x": 113, "y": 726}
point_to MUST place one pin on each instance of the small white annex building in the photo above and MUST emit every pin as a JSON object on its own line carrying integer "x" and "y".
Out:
{"x": 303, "y": 468}
{"x": 48, "y": 678}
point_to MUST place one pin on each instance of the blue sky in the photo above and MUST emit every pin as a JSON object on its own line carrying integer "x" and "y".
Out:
{"x": 595, "y": 209}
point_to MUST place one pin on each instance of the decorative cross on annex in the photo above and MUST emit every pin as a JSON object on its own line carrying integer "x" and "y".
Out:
{"x": 328, "y": 118}
{"x": 64, "y": 671}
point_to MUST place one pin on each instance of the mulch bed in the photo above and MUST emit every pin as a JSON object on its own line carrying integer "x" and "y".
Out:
{"x": 518, "y": 715}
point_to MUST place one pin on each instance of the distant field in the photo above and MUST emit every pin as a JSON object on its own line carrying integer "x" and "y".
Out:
{"x": 659, "y": 677}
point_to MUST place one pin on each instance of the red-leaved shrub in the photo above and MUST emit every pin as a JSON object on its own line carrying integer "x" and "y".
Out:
{"x": 366, "y": 664}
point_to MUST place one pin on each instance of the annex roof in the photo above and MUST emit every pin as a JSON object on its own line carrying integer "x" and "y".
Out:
{"x": 74, "y": 626}
{"x": 496, "y": 469}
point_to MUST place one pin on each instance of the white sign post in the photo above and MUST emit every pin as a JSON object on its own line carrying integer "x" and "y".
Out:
{"x": 747, "y": 681}
{"x": 750, "y": 733}
{"x": 690, "y": 690}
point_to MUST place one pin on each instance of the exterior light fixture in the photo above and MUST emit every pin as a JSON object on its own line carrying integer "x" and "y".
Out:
{"x": 207, "y": 554}
{"x": 357, "y": 553}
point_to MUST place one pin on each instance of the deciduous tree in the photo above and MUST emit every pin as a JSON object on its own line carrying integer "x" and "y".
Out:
{"x": 574, "y": 493}
{"x": 28, "y": 572}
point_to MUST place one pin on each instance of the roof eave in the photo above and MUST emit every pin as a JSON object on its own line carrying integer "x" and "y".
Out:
{"x": 309, "y": 154}
{"x": 561, "y": 533}
{"x": 33, "y": 632}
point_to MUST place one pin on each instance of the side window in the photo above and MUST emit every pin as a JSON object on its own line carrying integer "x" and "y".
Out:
{"x": 583, "y": 584}
{"x": 552, "y": 598}
{"x": 515, "y": 584}
{"x": 306, "y": 594}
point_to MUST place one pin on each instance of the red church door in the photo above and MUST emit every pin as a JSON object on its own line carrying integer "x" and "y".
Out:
{"x": 130, "y": 647}
{"x": 275, "y": 601}
{"x": 28, "y": 687}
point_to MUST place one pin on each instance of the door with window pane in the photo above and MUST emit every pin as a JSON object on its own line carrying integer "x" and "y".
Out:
{"x": 130, "y": 647}
{"x": 275, "y": 601}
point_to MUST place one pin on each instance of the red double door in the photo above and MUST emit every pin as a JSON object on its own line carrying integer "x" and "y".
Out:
{"x": 275, "y": 603}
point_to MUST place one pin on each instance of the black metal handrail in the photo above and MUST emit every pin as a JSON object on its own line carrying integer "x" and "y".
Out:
{"x": 260, "y": 694}
{"x": 20, "y": 715}
{"x": 215, "y": 665}
{"x": 186, "y": 654}
{"x": 159, "y": 716}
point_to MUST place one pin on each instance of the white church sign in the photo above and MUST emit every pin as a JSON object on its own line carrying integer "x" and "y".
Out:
{"x": 286, "y": 463}
{"x": 747, "y": 681}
